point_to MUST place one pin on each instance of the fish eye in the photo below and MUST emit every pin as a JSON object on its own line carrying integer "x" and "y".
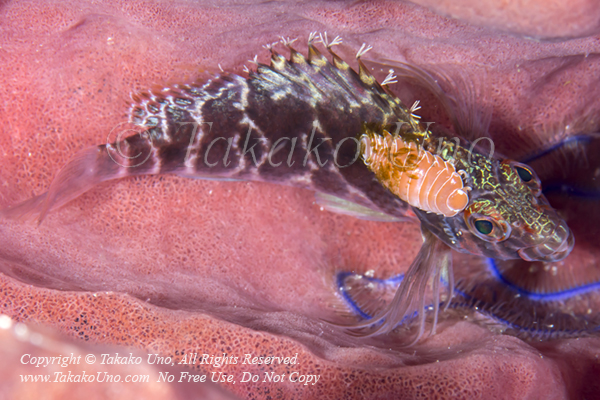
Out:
{"x": 527, "y": 176}
{"x": 524, "y": 173}
{"x": 483, "y": 226}
{"x": 486, "y": 227}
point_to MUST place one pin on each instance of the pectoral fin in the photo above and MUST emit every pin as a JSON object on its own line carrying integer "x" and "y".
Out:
{"x": 420, "y": 287}
{"x": 341, "y": 206}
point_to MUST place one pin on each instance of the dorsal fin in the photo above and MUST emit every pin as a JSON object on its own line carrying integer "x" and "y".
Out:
{"x": 457, "y": 94}
{"x": 363, "y": 72}
{"x": 296, "y": 57}
{"x": 315, "y": 57}
{"x": 278, "y": 62}
{"x": 337, "y": 61}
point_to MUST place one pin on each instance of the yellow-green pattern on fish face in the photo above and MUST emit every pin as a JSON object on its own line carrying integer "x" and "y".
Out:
{"x": 507, "y": 215}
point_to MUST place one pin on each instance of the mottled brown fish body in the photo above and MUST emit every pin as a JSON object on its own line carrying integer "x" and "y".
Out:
{"x": 295, "y": 122}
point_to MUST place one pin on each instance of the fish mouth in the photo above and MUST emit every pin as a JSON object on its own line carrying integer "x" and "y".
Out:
{"x": 557, "y": 247}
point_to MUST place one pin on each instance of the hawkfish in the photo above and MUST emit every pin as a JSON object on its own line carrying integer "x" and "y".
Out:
{"x": 317, "y": 124}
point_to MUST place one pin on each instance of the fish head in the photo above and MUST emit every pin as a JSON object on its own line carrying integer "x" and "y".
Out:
{"x": 507, "y": 216}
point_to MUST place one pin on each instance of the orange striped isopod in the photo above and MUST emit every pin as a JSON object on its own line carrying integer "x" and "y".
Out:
{"x": 422, "y": 179}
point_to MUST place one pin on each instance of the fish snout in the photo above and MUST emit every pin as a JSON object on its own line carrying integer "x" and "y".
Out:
{"x": 555, "y": 248}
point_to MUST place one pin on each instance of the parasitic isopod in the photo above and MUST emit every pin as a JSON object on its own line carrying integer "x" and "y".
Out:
{"x": 415, "y": 175}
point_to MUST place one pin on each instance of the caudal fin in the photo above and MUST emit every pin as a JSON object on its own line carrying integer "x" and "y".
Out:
{"x": 85, "y": 170}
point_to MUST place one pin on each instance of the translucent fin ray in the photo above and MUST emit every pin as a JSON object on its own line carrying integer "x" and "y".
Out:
{"x": 421, "y": 281}
{"x": 77, "y": 177}
{"x": 345, "y": 207}
{"x": 457, "y": 93}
